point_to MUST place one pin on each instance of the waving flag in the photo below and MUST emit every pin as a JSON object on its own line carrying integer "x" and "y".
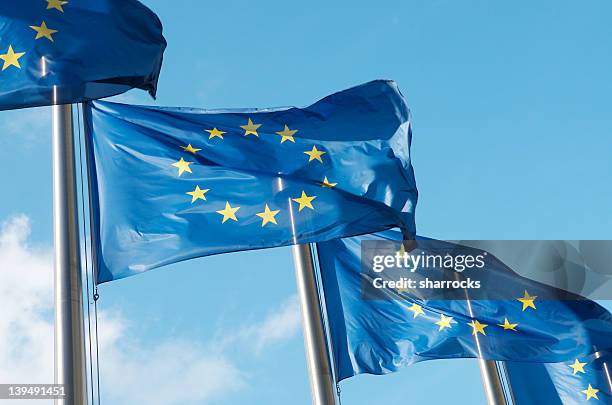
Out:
{"x": 60, "y": 52}
{"x": 171, "y": 184}
{"x": 525, "y": 326}
{"x": 579, "y": 381}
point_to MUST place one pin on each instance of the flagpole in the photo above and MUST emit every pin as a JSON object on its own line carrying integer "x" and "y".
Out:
{"x": 70, "y": 368}
{"x": 317, "y": 356}
{"x": 491, "y": 381}
{"x": 489, "y": 373}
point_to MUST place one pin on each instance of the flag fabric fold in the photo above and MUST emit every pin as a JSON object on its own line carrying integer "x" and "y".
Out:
{"x": 169, "y": 184}
{"x": 578, "y": 381}
{"x": 418, "y": 329}
{"x": 61, "y": 52}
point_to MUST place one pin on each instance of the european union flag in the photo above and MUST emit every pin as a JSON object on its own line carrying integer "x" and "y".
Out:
{"x": 61, "y": 52}
{"x": 579, "y": 381}
{"x": 171, "y": 184}
{"x": 526, "y": 326}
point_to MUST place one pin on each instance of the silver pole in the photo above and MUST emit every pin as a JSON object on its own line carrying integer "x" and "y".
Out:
{"x": 317, "y": 357}
{"x": 491, "y": 381}
{"x": 70, "y": 367}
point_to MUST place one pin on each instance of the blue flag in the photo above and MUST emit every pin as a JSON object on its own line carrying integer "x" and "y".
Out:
{"x": 579, "y": 381}
{"x": 382, "y": 335}
{"x": 171, "y": 184}
{"x": 61, "y": 52}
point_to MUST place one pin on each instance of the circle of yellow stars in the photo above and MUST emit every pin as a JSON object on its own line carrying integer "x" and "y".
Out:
{"x": 269, "y": 214}
{"x": 11, "y": 58}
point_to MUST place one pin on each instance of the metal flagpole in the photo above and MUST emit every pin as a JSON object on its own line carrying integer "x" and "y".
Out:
{"x": 70, "y": 368}
{"x": 317, "y": 357}
{"x": 491, "y": 381}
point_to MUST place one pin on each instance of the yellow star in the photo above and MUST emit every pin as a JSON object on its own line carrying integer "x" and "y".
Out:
{"x": 305, "y": 201}
{"x": 315, "y": 154}
{"x": 527, "y": 301}
{"x": 11, "y": 58}
{"x": 416, "y": 310}
{"x": 43, "y": 31}
{"x": 190, "y": 149}
{"x": 401, "y": 290}
{"x": 182, "y": 166}
{"x": 507, "y": 325}
{"x": 250, "y": 128}
{"x": 402, "y": 250}
{"x": 197, "y": 194}
{"x": 56, "y": 4}
{"x": 287, "y": 134}
{"x": 444, "y": 322}
{"x": 215, "y": 133}
{"x": 578, "y": 367}
{"x": 477, "y": 327}
{"x": 228, "y": 212}
{"x": 268, "y": 216}
{"x": 327, "y": 184}
{"x": 590, "y": 392}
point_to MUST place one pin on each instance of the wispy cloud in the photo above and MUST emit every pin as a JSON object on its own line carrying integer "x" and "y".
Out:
{"x": 28, "y": 124}
{"x": 279, "y": 325}
{"x": 26, "y": 329}
{"x": 166, "y": 373}
{"x": 169, "y": 371}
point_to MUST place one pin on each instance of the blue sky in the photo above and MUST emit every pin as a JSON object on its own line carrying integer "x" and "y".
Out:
{"x": 512, "y": 140}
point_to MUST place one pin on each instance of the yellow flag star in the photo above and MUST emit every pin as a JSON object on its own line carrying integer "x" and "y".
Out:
{"x": 287, "y": 134}
{"x": 268, "y": 216}
{"x": 215, "y": 133}
{"x": 11, "y": 58}
{"x": 182, "y": 166}
{"x": 228, "y": 212}
{"x": 402, "y": 250}
{"x": 327, "y": 184}
{"x": 444, "y": 322}
{"x": 305, "y": 201}
{"x": 590, "y": 392}
{"x": 250, "y": 128}
{"x": 416, "y": 310}
{"x": 56, "y": 4}
{"x": 527, "y": 301}
{"x": 198, "y": 194}
{"x": 477, "y": 327}
{"x": 315, "y": 154}
{"x": 507, "y": 325}
{"x": 190, "y": 149}
{"x": 401, "y": 290}
{"x": 43, "y": 31}
{"x": 578, "y": 367}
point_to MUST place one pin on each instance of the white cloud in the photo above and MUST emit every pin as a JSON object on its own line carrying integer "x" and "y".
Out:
{"x": 167, "y": 372}
{"x": 26, "y": 329}
{"x": 280, "y": 325}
